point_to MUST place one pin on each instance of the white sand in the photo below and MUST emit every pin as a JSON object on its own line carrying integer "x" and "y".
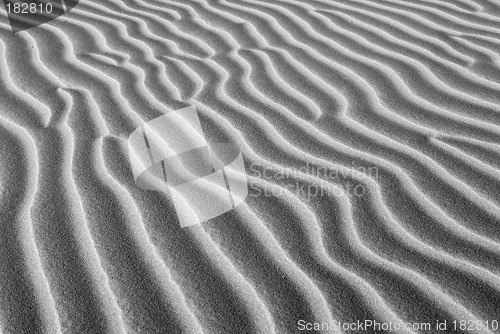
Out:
{"x": 407, "y": 89}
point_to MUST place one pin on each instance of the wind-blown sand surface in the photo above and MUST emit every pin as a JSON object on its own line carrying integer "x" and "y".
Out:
{"x": 408, "y": 90}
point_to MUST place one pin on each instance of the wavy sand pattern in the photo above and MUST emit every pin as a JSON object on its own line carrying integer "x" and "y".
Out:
{"x": 407, "y": 93}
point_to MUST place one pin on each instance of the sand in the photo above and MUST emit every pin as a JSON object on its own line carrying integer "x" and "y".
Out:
{"x": 370, "y": 132}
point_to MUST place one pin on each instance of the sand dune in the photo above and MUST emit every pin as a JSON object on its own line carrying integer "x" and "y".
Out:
{"x": 370, "y": 131}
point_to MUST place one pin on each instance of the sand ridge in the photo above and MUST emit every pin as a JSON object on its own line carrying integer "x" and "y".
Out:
{"x": 409, "y": 89}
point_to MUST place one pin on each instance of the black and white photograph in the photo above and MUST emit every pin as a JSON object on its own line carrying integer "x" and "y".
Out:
{"x": 249, "y": 166}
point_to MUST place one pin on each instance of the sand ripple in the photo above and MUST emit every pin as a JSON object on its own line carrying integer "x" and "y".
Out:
{"x": 408, "y": 90}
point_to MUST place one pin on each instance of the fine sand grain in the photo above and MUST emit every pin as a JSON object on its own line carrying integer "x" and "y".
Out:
{"x": 370, "y": 131}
